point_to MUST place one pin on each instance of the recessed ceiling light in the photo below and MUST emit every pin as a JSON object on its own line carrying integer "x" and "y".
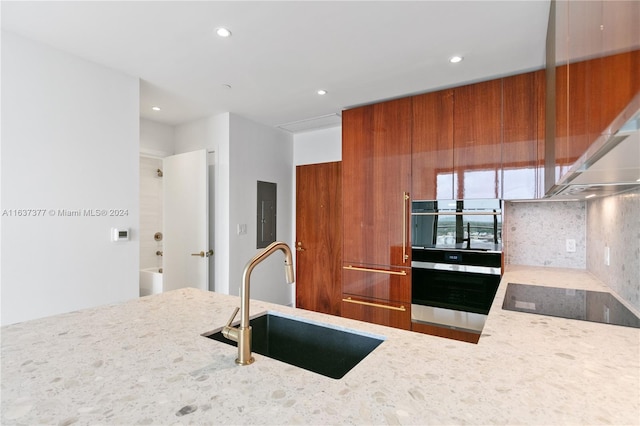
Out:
{"x": 455, "y": 59}
{"x": 223, "y": 32}
{"x": 321, "y": 92}
{"x": 155, "y": 108}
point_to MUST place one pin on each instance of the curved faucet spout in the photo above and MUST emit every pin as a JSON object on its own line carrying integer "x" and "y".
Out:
{"x": 243, "y": 334}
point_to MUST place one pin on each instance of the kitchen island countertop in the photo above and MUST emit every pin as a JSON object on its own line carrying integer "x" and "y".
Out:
{"x": 145, "y": 362}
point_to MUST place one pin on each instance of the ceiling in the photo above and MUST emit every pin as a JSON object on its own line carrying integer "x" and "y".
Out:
{"x": 281, "y": 53}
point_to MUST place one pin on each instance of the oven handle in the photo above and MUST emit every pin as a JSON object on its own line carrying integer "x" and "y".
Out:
{"x": 375, "y": 305}
{"x": 379, "y": 271}
{"x": 486, "y": 270}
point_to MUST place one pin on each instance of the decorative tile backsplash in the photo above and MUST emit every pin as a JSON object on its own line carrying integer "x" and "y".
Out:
{"x": 614, "y": 222}
{"x": 536, "y": 234}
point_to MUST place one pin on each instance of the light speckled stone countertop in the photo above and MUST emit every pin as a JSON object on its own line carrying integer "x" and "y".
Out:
{"x": 144, "y": 362}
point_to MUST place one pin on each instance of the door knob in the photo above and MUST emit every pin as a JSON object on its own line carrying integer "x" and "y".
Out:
{"x": 299, "y": 246}
{"x": 203, "y": 254}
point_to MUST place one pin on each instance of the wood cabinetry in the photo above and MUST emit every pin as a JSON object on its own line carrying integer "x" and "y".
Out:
{"x": 483, "y": 140}
{"x": 597, "y": 72}
{"x": 432, "y": 146}
{"x": 523, "y": 135}
{"x": 376, "y": 164}
{"x": 620, "y": 83}
{"x": 477, "y": 140}
{"x": 381, "y": 296}
{"x": 377, "y": 312}
{"x": 390, "y": 284}
{"x": 376, "y": 161}
{"x": 448, "y": 332}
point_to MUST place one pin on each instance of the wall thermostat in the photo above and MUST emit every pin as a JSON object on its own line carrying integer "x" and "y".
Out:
{"x": 119, "y": 234}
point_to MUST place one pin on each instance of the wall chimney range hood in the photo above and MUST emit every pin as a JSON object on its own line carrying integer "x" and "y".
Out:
{"x": 610, "y": 166}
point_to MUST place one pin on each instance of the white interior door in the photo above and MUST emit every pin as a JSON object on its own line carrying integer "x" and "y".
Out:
{"x": 186, "y": 233}
{"x": 211, "y": 160}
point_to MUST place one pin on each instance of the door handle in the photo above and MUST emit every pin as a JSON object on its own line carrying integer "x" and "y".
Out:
{"x": 299, "y": 246}
{"x": 203, "y": 254}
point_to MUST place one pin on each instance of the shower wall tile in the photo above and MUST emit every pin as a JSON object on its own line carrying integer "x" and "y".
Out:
{"x": 150, "y": 212}
{"x": 614, "y": 222}
{"x": 535, "y": 234}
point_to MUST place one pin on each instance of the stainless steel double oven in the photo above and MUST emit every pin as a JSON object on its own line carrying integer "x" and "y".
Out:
{"x": 456, "y": 261}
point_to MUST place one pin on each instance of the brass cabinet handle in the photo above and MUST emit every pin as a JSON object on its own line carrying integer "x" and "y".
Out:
{"x": 405, "y": 200}
{"x": 380, "y": 271}
{"x": 203, "y": 254}
{"x": 375, "y": 305}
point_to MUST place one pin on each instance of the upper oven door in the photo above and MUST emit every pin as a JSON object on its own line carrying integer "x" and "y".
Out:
{"x": 457, "y": 224}
{"x": 423, "y": 223}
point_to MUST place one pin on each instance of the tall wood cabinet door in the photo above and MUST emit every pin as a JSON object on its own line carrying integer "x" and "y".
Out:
{"x": 357, "y": 198}
{"x": 561, "y": 142}
{"x": 591, "y": 93}
{"x": 376, "y": 173}
{"x": 477, "y": 140}
{"x": 578, "y": 137}
{"x": 520, "y": 165}
{"x": 319, "y": 237}
{"x": 540, "y": 78}
{"x": 572, "y": 131}
{"x": 432, "y": 146}
{"x": 581, "y": 42}
{"x": 620, "y": 72}
{"x": 621, "y": 75}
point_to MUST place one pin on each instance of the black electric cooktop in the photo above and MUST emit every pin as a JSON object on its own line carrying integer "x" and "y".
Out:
{"x": 595, "y": 306}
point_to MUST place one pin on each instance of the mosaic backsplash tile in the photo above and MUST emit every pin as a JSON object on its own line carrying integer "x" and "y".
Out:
{"x": 535, "y": 234}
{"x": 614, "y": 222}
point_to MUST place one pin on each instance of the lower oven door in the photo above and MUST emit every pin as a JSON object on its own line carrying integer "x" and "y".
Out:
{"x": 455, "y": 287}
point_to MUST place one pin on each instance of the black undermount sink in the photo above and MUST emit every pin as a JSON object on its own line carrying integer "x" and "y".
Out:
{"x": 322, "y": 349}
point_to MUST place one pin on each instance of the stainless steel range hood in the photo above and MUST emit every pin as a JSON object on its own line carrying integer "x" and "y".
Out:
{"x": 610, "y": 166}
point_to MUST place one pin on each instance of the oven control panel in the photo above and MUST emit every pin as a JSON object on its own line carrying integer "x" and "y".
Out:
{"x": 458, "y": 257}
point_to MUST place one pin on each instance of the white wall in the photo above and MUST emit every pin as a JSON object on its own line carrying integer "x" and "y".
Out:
{"x": 156, "y": 139}
{"x": 258, "y": 152}
{"x": 70, "y": 140}
{"x": 200, "y": 134}
{"x": 319, "y": 146}
{"x": 245, "y": 153}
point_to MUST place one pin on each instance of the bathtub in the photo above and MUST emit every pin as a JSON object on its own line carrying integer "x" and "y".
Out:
{"x": 150, "y": 281}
